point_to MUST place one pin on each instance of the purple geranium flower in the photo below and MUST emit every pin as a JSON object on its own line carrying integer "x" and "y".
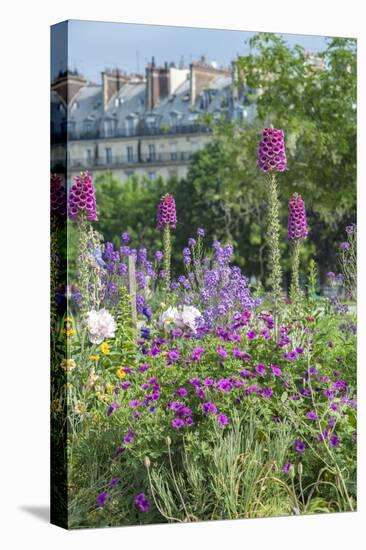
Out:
{"x": 209, "y": 407}
{"x": 222, "y": 352}
{"x": 276, "y": 370}
{"x": 224, "y": 385}
{"x": 129, "y": 437}
{"x": 112, "y": 408}
{"x": 102, "y": 499}
{"x": 177, "y": 423}
{"x": 222, "y": 419}
{"x": 334, "y": 440}
{"x": 311, "y": 415}
{"x": 173, "y": 355}
{"x": 260, "y": 369}
{"x": 182, "y": 392}
{"x": 266, "y": 393}
{"x": 113, "y": 482}
{"x": 299, "y": 446}
{"x": 196, "y": 353}
{"x": 142, "y": 502}
{"x": 287, "y": 467}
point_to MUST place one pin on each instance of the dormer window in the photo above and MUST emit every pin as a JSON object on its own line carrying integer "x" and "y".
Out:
{"x": 131, "y": 124}
{"x": 109, "y": 127}
{"x": 88, "y": 126}
{"x": 150, "y": 121}
{"x": 175, "y": 117}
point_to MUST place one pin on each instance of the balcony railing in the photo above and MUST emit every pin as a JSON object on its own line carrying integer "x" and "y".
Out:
{"x": 140, "y": 131}
{"x": 123, "y": 160}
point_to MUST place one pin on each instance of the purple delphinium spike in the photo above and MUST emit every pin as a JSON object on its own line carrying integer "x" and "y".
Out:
{"x": 82, "y": 198}
{"x": 271, "y": 152}
{"x": 167, "y": 214}
{"x": 297, "y": 223}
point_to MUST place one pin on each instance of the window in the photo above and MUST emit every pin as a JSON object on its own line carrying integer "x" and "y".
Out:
{"x": 131, "y": 126}
{"x": 152, "y": 176}
{"x": 129, "y": 173}
{"x": 173, "y": 151}
{"x": 129, "y": 153}
{"x": 108, "y": 155}
{"x": 175, "y": 118}
{"x": 150, "y": 121}
{"x": 109, "y": 128}
{"x": 152, "y": 154}
{"x": 88, "y": 126}
{"x": 89, "y": 155}
{"x": 71, "y": 126}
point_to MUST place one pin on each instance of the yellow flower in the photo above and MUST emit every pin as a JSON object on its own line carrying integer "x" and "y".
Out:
{"x": 105, "y": 348}
{"x": 121, "y": 372}
{"x": 94, "y": 357}
{"x": 68, "y": 329}
{"x": 68, "y": 364}
{"x": 164, "y": 353}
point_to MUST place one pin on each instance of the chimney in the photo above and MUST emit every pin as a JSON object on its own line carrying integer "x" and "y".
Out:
{"x": 67, "y": 84}
{"x": 157, "y": 83}
{"x": 112, "y": 81}
{"x": 201, "y": 74}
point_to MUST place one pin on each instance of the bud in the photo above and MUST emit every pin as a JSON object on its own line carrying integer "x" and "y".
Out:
{"x": 168, "y": 441}
{"x": 147, "y": 462}
{"x": 300, "y": 469}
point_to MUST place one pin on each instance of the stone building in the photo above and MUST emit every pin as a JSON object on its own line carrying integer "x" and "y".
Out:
{"x": 148, "y": 125}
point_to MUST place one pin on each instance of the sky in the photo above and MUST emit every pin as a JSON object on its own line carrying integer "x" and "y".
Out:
{"x": 94, "y": 46}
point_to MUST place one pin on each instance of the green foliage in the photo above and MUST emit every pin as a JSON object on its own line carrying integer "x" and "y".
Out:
{"x": 312, "y": 103}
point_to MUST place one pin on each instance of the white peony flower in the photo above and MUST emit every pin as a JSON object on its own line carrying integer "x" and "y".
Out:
{"x": 189, "y": 316}
{"x": 182, "y": 317}
{"x": 101, "y": 325}
{"x": 169, "y": 317}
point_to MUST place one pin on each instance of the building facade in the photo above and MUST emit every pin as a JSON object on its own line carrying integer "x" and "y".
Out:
{"x": 145, "y": 125}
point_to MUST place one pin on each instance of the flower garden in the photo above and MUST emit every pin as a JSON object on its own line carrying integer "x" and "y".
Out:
{"x": 181, "y": 397}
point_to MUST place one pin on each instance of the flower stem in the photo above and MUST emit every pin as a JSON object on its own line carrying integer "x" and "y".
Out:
{"x": 273, "y": 242}
{"x": 167, "y": 246}
{"x": 295, "y": 286}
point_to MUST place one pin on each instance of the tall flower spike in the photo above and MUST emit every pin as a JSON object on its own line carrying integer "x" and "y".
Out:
{"x": 82, "y": 198}
{"x": 271, "y": 152}
{"x": 297, "y": 223}
{"x": 166, "y": 220}
{"x": 167, "y": 214}
{"x": 58, "y": 197}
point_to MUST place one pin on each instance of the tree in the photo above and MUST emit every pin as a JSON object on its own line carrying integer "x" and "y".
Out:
{"x": 314, "y": 100}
